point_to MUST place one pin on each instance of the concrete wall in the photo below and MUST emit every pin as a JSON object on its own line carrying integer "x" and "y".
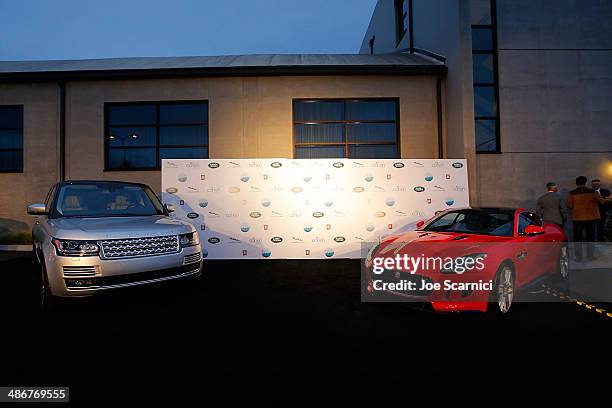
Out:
{"x": 248, "y": 117}
{"x": 40, "y": 142}
{"x": 555, "y": 78}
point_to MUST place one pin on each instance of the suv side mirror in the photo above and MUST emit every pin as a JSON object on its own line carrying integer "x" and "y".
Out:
{"x": 534, "y": 230}
{"x": 37, "y": 209}
{"x": 169, "y": 207}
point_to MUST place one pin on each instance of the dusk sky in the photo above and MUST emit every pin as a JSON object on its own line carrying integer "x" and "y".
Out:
{"x": 62, "y": 29}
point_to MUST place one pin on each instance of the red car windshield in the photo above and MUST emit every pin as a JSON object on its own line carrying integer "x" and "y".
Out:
{"x": 473, "y": 221}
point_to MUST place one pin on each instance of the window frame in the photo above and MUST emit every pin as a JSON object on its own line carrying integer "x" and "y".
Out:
{"x": 346, "y": 122}
{"x": 15, "y": 149}
{"x": 495, "y": 84}
{"x": 157, "y": 126}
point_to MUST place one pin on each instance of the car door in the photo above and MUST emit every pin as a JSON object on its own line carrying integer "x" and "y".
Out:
{"x": 533, "y": 255}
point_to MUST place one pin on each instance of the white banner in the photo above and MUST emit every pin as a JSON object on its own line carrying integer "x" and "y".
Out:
{"x": 307, "y": 208}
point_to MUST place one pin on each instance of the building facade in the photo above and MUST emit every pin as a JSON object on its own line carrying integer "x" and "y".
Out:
{"x": 116, "y": 119}
{"x": 528, "y": 90}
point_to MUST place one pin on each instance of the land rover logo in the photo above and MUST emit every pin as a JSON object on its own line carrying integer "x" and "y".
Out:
{"x": 419, "y": 189}
{"x": 192, "y": 215}
{"x": 297, "y": 189}
{"x": 398, "y": 165}
{"x": 171, "y": 190}
{"x": 338, "y": 165}
{"x": 457, "y": 165}
{"x": 317, "y": 214}
{"x": 213, "y": 165}
{"x": 339, "y": 239}
{"x": 276, "y": 165}
{"x": 379, "y": 214}
{"x": 255, "y": 214}
{"x": 276, "y": 240}
{"x": 359, "y": 189}
{"x": 214, "y": 240}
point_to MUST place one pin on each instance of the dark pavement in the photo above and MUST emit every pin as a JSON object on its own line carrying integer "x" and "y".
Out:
{"x": 292, "y": 332}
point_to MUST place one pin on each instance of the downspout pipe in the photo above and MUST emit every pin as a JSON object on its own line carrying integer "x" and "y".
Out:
{"x": 62, "y": 130}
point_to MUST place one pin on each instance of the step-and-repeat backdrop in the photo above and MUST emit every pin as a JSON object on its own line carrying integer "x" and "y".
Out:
{"x": 315, "y": 208}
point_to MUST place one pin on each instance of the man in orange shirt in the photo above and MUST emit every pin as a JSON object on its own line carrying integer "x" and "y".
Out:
{"x": 585, "y": 213}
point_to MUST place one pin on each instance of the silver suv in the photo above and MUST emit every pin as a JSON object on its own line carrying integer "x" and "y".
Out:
{"x": 90, "y": 236}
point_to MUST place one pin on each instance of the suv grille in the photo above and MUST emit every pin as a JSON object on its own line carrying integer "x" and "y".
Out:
{"x": 131, "y": 247}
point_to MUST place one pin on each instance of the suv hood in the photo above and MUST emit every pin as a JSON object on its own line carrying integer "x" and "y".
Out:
{"x": 116, "y": 227}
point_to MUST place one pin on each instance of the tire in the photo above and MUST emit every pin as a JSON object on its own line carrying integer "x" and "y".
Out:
{"x": 47, "y": 302}
{"x": 563, "y": 262}
{"x": 504, "y": 289}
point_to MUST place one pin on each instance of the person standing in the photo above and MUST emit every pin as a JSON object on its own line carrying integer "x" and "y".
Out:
{"x": 550, "y": 206}
{"x": 603, "y": 208}
{"x": 583, "y": 202}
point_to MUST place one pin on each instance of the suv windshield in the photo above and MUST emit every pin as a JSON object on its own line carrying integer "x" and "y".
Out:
{"x": 106, "y": 200}
{"x": 472, "y": 221}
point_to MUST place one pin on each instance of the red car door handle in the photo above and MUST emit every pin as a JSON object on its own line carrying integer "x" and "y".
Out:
{"x": 521, "y": 255}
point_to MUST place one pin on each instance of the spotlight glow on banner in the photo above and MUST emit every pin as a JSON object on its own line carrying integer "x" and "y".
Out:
{"x": 308, "y": 208}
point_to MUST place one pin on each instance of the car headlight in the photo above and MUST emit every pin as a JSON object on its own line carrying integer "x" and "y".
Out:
{"x": 371, "y": 252}
{"x": 189, "y": 239}
{"x": 465, "y": 263}
{"x": 71, "y": 247}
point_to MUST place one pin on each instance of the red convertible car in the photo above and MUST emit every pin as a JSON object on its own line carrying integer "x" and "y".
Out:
{"x": 507, "y": 249}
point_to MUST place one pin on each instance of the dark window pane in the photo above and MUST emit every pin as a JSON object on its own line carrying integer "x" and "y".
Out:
{"x": 482, "y": 39}
{"x": 11, "y": 160}
{"x": 132, "y": 115}
{"x": 485, "y": 135}
{"x": 372, "y": 132}
{"x": 324, "y": 132}
{"x": 131, "y": 136}
{"x": 480, "y": 12}
{"x": 483, "y": 68}
{"x": 183, "y": 153}
{"x": 183, "y": 113}
{"x": 183, "y": 135}
{"x": 131, "y": 158}
{"x": 11, "y": 116}
{"x": 484, "y": 101}
{"x": 373, "y": 152}
{"x": 11, "y": 139}
{"x": 320, "y": 152}
{"x": 318, "y": 110}
{"x": 371, "y": 110}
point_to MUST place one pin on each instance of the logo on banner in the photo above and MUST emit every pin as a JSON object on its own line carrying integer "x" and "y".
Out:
{"x": 233, "y": 164}
{"x": 170, "y": 165}
{"x": 390, "y": 202}
{"x": 379, "y": 214}
{"x": 266, "y": 253}
{"x": 253, "y": 189}
{"x": 317, "y": 214}
{"x": 245, "y": 228}
{"x": 459, "y": 189}
{"x": 276, "y": 240}
{"x": 368, "y": 178}
{"x": 203, "y": 203}
{"x": 428, "y": 177}
{"x": 358, "y": 189}
{"x": 369, "y": 227}
{"x": 182, "y": 177}
{"x": 254, "y": 214}
{"x": 233, "y": 190}
{"x": 438, "y": 188}
{"x": 449, "y": 201}
{"x": 417, "y": 164}
{"x": 357, "y": 164}
{"x": 398, "y": 165}
{"x": 338, "y": 165}
{"x": 204, "y": 253}
{"x": 265, "y": 202}
{"x": 419, "y": 189}
{"x": 329, "y": 252}
{"x": 233, "y": 240}
{"x": 172, "y": 190}
{"x": 244, "y": 178}
{"x": 296, "y": 189}
{"x": 307, "y": 179}
{"x": 437, "y": 164}
{"x": 213, "y": 165}
{"x": 193, "y": 215}
{"x": 457, "y": 165}
{"x": 329, "y": 203}
{"x": 213, "y": 214}
{"x": 296, "y": 240}
{"x": 339, "y": 239}
{"x": 276, "y": 164}
{"x": 214, "y": 240}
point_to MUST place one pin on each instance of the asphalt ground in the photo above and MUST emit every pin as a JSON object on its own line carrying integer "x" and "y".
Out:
{"x": 295, "y": 332}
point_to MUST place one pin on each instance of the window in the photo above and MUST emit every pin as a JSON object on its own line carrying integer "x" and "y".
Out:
{"x": 484, "y": 66}
{"x": 139, "y": 135}
{"x": 11, "y": 139}
{"x": 401, "y": 19}
{"x": 351, "y": 128}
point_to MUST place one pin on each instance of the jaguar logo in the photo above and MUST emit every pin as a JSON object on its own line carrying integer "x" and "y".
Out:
{"x": 338, "y": 165}
{"x": 380, "y": 214}
{"x": 276, "y": 165}
{"x": 276, "y": 240}
{"x": 359, "y": 189}
{"x": 457, "y": 165}
{"x": 317, "y": 214}
{"x": 398, "y": 165}
{"x": 339, "y": 239}
{"x": 213, "y": 165}
{"x": 419, "y": 189}
{"x": 193, "y": 215}
{"x": 172, "y": 190}
{"x": 255, "y": 214}
{"x": 214, "y": 240}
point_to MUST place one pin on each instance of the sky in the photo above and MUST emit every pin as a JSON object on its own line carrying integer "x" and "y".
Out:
{"x": 63, "y": 29}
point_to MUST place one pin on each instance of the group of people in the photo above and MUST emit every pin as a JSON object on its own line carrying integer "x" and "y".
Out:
{"x": 591, "y": 211}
